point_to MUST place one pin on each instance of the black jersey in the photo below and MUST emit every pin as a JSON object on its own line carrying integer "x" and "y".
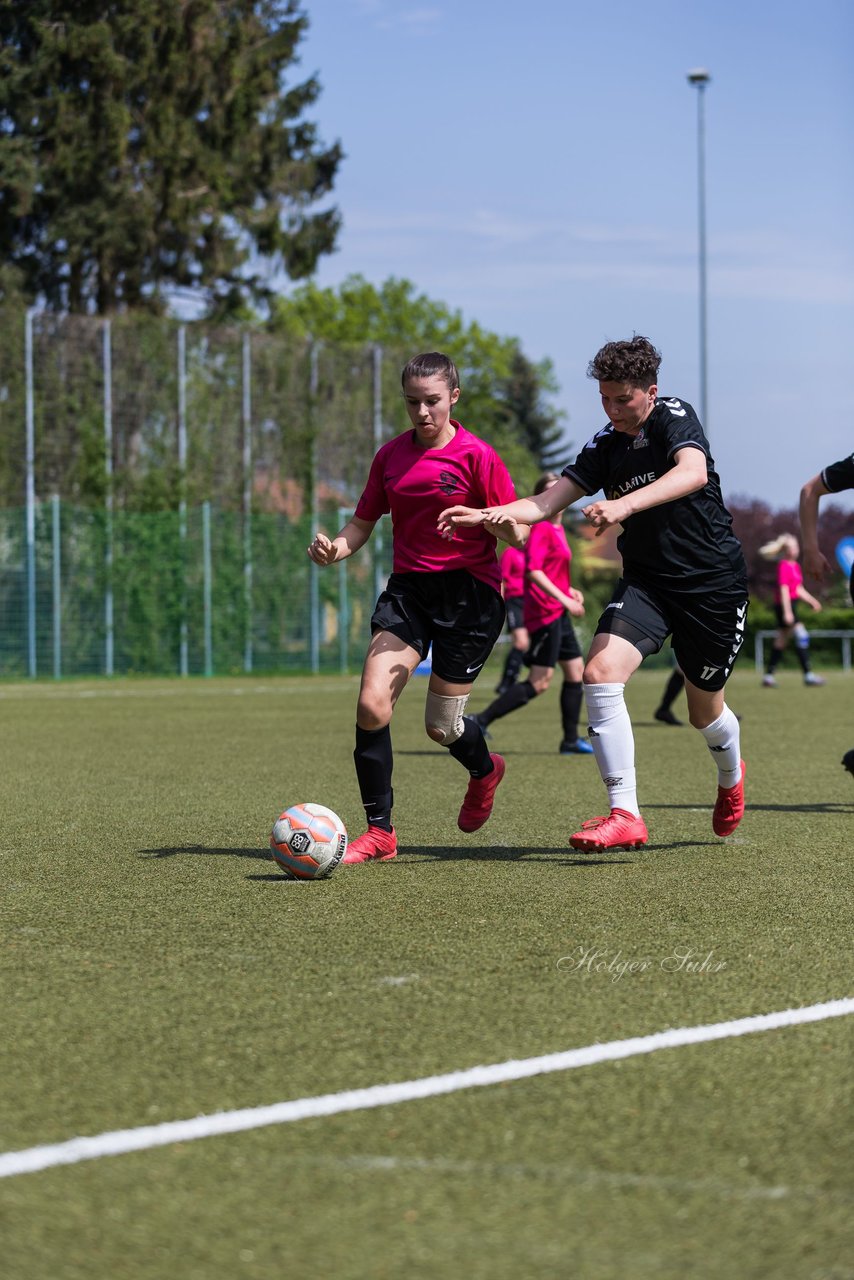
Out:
{"x": 839, "y": 475}
{"x": 687, "y": 544}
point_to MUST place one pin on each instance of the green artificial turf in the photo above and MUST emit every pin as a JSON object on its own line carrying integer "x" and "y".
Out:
{"x": 157, "y": 966}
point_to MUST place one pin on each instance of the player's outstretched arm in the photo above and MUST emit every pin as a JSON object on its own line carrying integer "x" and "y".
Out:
{"x": 688, "y": 475}
{"x": 324, "y": 550}
{"x": 524, "y": 510}
{"x": 814, "y": 562}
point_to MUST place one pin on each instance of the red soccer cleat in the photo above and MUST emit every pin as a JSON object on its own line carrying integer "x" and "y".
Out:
{"x": 375, "y": 845}
{"x": 620, "y": 830}
{"x": 729, "y": 807}
{"x": 479, "y": 798}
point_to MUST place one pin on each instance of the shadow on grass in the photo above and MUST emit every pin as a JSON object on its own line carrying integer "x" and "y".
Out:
{"x": 422, "y": 853}
{"x": 824, "y": 806}
{"x": 200, "y": 849}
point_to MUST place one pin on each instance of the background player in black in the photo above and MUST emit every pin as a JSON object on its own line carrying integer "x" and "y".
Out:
{"x": 833, "y": 479}
{"x": 683, "y": 575}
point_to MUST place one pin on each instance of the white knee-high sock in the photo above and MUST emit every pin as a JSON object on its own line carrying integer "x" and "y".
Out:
{"x": 723, "y": 738}
{"x": 610, "y": 733}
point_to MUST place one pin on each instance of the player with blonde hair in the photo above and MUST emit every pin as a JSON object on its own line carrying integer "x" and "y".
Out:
{"x": 788, "y": 591}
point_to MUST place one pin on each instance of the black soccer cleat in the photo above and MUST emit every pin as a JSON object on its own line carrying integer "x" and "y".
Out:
{"x": 848, "y": 761}
{"x": 666, "y": 716}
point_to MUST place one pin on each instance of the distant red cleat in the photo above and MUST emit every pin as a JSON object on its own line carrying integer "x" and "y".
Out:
{"x": 375, "y": 845}
{"x": 620, "y": 830}
{"x": 729, "y": 807}
{"x": 480, "y": 796}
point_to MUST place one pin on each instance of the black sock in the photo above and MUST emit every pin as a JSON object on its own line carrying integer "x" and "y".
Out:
{"x": 513, "y": 665}
{"x": 674, "y": 687}
{"x": 803, "y": 655}
{"x": 570, "y": 708}
{"x": 471, "y": 750}
{"x": 774, "y": 660}
{"x": 517, "y": 696}
{"x": 374, "y": 763}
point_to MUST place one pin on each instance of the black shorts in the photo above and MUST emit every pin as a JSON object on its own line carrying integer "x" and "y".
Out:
{"x": 555, "y": 642}
{"x": 778, "y": 611}
{"x": 515, "y": 612}
{"x": 707, "y": 628}
{"x": 458, "y": 614}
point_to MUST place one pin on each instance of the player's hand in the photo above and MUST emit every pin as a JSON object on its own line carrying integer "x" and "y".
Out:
{"x": 575, "y": 608}
{"x": 501, "y": 526}
{"x": 321, "y": 550}
{"x": 816, "y": 565}
{"x": 459, "y": 517}
{"x": 603, "y": 515}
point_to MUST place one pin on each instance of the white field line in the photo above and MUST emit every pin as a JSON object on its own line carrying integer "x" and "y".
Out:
{"x": 122, "y": 1141}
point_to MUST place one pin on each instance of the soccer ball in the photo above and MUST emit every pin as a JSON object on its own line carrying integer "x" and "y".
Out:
{"x": 308, "y": 841}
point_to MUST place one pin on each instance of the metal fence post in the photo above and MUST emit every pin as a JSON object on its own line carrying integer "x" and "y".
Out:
{"x": 313, "y": 583}
{"x": 57, "y": 587}
{"x": 30, "y": 462}
{"x": 207, "y": 577}
{"x": 343, "y": 606}
{"x": 182, "y": 504}
{"x": 379, "y": 582}
{"x": 108, "y": 475}
{"x": 247, "y": 499}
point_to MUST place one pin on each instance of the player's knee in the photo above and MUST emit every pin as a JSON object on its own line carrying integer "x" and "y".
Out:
{"x": 541, "y": 683}
{"x": 371, "y": 716}
{"x": 443, "y": 717}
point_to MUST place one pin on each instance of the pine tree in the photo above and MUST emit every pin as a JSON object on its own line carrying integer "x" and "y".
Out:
{"x": 148, "y": 145}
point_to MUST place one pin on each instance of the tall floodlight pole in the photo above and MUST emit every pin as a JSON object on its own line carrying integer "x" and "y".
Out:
{"x": 699, "y": 77}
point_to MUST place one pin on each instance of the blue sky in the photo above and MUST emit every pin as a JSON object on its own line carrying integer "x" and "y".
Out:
{"x": 535, "y": 167}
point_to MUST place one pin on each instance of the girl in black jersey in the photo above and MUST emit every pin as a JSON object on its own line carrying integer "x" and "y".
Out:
{"x": 683, "y": 575}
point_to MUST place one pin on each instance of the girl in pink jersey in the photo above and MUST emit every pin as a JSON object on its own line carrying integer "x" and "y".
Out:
{"x": 440, "y": 592}
{"x": 513, "y": 591}
{"x": 789, "y": 590}
{"x": 549, "y": 604}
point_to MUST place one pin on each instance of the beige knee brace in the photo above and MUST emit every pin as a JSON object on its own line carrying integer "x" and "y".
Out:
{"x": 444, "y": 716}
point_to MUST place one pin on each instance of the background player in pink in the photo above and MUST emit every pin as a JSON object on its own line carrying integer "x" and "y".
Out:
{"x": 550, "y": 602}
{"x": 513, "y": 590}
{"x": 439, "y": 592}
{"x": 789, "y": 590}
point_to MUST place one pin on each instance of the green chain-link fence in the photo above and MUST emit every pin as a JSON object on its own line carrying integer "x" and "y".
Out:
{"x": 159, "y": 483}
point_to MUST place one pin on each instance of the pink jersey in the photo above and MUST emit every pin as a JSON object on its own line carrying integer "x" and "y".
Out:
{"x": 788, "y": 575}
{"x": 513, "y": 572}
{"x": 417, "y": 484}
{"x": 548, "y": 550}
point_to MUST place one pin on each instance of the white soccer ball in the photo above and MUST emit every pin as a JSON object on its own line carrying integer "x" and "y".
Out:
{"x": 308, "y": 841}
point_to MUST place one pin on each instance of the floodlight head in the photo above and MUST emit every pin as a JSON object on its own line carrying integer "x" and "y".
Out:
{"x": 699, "y": 76}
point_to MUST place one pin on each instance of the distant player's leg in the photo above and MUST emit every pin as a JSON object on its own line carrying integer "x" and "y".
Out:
{"x": 663, "y": 712}
{"x": 778, "y": 648}
{"x": 571, "y": 693}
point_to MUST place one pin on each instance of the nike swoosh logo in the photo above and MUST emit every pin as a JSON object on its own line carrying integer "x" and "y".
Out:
{"x": 471, "y": 670}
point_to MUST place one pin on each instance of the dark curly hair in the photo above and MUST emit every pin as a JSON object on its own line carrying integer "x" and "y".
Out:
{"x": 635, "y": 361}
{"x": 430, "y": 365}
